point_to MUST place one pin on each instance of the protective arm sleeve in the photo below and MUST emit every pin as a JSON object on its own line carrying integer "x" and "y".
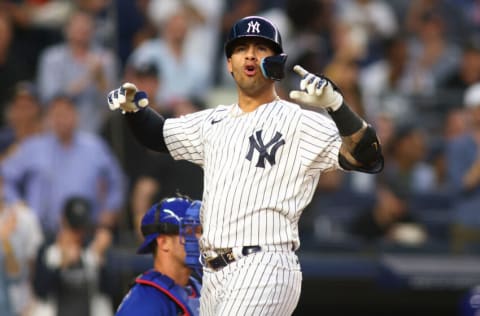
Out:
{"x": 147, "y": 127}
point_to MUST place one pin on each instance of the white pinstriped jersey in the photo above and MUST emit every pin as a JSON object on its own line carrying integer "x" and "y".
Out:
{"x": 260, "y": 168}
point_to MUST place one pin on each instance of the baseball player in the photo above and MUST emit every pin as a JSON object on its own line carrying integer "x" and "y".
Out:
{"x": 262, "y": 159}
{"x": 169, "y": 228}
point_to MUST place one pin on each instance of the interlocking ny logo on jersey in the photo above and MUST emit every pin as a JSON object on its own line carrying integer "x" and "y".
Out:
{"x": 256, "y": 142}
{"x": 253, "y": 27}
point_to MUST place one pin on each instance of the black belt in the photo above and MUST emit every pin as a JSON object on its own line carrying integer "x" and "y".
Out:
{"x": 226, "y": 257}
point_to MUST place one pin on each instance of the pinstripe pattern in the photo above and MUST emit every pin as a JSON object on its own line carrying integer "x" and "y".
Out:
{"x": 260, "y": 171}
{"x": 265, "y": 283}
{"x": 244, "y": 204}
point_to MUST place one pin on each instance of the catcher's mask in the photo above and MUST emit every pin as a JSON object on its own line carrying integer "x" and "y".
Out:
{"x": 190, "y": 230}
{"x": 259, "y": 27}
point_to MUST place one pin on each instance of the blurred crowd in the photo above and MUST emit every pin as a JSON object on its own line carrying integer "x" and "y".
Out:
{"x": 75, "y": 183}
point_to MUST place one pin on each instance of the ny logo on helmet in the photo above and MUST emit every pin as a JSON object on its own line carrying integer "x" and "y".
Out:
{"x": 253, "y": 27}
{"x": 256, "y": 142}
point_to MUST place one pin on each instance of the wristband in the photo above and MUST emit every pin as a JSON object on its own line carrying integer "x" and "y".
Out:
{"x": 347, "y": 121}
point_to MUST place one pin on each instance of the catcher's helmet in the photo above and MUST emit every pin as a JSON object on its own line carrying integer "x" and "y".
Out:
{"x": 164, "y": 217}
{"x": 254, "y": 26}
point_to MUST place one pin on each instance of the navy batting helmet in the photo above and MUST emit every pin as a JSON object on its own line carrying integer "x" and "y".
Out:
{"x": 254, "y": 26}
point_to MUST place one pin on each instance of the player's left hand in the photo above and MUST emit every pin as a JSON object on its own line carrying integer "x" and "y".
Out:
{"x": 317, "y": 91}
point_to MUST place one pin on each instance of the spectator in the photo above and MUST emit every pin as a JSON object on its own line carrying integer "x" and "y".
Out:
{"x": 433, "y": 58}
{"x": 436, "y": 158}
{"x": 132, "y": 25}
{"x": 308, "y": 41}
{"x": 20, "y": 237}
{"x": 91, "y": 71}
{"x": 67, "y": 276}
{"x": 463, "y": 162}
{"x": 468, "y": 71}
{"x": 450, "y": 12}
{"x": 384, "y": 82}
{"x": 373, "y": 19}
{"x": 43, "y": 14}
{"x": 455, "y": 123}
{"x": 171, "y": 229}
{"x": 389, "y": 219}
{"x": 67, "y": 162}
{"x": 182, "y": 75}
{"x": 407, "y": 152}
{"x": 23, "y": 115}
{"x": 12, "y": 67}
{"x": 204, "y": 17}
{"x": 104, "y": 25}
{"x": 36, "y": 25}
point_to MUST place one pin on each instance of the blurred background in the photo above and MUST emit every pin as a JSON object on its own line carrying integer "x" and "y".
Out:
{"x": 75, "y": 183}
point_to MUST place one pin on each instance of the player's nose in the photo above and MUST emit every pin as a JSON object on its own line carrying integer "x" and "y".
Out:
{"x": 251, "y": 52}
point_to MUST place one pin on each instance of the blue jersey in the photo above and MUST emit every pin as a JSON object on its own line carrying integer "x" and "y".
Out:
{"x": 157, "y": 294}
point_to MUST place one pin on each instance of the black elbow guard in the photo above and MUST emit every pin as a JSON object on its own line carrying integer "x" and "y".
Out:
{"x": 368, "y": 153}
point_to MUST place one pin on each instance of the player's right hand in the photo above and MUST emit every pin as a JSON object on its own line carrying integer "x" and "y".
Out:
{"x": 127, "y": 98}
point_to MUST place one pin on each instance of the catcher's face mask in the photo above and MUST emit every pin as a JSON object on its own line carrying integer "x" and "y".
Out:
{"x": 190, "y": 231}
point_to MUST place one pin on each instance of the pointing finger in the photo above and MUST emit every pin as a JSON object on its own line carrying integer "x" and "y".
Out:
{"x": 300, "y": 70}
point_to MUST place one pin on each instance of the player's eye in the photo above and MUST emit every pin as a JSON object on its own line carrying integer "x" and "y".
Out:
{"x": 240, "y": 48}
{"x": 262, "y": 48}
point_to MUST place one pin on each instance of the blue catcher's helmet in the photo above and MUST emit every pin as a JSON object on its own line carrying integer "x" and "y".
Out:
{"x": 162, "y": 218}
{"x": 259, "y": 27}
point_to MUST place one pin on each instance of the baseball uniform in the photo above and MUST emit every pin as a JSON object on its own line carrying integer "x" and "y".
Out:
{"x": 261, "y": 169}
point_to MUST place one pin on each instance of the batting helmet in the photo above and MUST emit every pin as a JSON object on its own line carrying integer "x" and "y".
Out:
{"x": 254, "y": 26}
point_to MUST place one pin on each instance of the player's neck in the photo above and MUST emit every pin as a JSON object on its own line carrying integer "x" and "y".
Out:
{"x": 249, "y": 103}
{"x": 179, "y": 275}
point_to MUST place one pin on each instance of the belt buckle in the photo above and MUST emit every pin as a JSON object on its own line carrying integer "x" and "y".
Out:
{"x": 224, "y": 256}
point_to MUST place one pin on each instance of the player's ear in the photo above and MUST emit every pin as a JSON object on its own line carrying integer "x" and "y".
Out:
{"x": 229, "y": 65}
{"x": 162, "y": 243}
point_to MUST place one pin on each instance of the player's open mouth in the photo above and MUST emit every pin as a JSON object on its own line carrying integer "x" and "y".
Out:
{"x": 250, "y": 70}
